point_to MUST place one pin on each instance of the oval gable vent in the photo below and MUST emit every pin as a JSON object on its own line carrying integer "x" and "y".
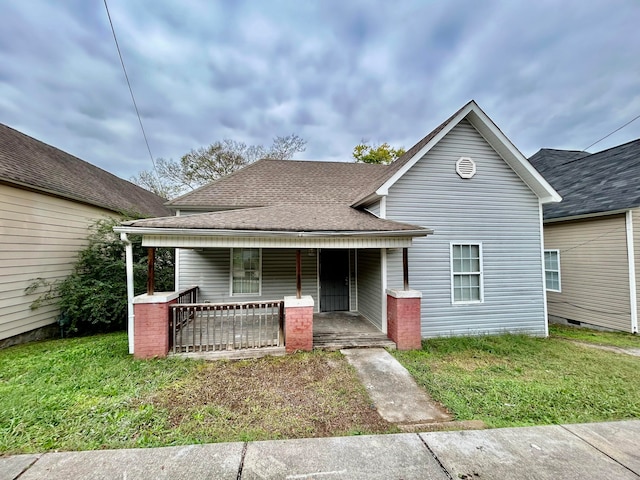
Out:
{"x": 465, "y": 167}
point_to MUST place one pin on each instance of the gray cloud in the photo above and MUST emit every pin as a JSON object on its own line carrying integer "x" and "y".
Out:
{"x": 550, "y": 74}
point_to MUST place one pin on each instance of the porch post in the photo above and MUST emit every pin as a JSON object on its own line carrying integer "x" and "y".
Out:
{"x": 128, "y": 252}
{"x": 405, "y": 267}
{"x": 298, "y": 274}
{"x": 151, "y": 253}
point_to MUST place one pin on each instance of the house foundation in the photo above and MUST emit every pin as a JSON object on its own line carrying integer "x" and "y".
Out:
{"x": 298, "y": 322}
{"x": 403, "y": 318}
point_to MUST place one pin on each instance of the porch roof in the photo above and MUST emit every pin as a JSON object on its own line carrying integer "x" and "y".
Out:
{"x": 285, "y": 226}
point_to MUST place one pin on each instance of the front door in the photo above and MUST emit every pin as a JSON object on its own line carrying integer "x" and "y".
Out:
{"x": 334, "y": 280}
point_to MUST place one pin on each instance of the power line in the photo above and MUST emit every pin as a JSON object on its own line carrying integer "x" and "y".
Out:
{"x": 608, "y": 135}
{"x": 135, "y": 105}
{"x": 584, "y": 150}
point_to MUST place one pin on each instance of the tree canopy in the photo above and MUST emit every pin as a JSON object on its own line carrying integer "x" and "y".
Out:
{"x": 378, "y": 154}
{"x": 171, "y": 178}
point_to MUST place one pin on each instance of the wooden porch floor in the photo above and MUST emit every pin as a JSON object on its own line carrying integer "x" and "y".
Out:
{"x": 338, "y": 330}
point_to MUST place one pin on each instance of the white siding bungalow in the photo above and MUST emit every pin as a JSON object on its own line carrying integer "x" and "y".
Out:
{"x": 447, "y": 240}
{"x": 48, "y": 199}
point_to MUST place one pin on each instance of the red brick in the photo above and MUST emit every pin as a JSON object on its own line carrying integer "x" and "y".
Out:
{"x": 298, "y": 328}
{"x": 403, "y": 322}
{"x": 151, "y": 329}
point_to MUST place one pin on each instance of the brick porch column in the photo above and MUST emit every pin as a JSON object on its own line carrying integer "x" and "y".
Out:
{"x": 403, "y": 318}
{"x": 151, "y": 324}
{"x": 298, "y": 323}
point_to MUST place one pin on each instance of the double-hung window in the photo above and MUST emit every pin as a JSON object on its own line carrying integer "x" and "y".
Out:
{"x": 245, "y": 271}
{"x": 466, "y": 273}
{"x": 552, "y": 269}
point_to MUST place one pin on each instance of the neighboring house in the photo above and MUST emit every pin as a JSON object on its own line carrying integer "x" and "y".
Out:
{"x": 593, "y": 237}
{"x": 48, "y": 199}
{"x": 463, "y": 205}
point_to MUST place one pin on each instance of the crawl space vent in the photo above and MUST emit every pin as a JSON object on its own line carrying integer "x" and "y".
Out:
{"x": 465, "y": 167}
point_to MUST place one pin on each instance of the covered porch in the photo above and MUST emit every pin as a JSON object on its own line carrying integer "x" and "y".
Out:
{"x": 278, "y": 290}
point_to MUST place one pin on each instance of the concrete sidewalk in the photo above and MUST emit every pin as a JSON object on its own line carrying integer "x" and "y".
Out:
{"x": 585, "y": 451}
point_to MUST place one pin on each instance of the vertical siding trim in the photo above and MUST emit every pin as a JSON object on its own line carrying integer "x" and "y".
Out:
{"x": 318, "y": 252}
{"x": 544, "y": 275}
{"x": 383, "y": 207}
{"x": 632, "y": 272}
{"x": 355, "y": 265}
{"x": 383, "y": 267}
{"x": 176, "y": 270}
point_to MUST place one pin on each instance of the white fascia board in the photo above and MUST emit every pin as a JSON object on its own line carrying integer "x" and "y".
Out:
{"x": 423, "y": 232}
{"x": 501, "y": 144}
{"x": 585, "y": 216}
{"x": 510, "y": 154}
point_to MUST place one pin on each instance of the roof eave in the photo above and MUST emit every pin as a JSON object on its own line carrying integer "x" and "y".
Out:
{"x": 585, "y": 216}
{"x": 421, "y": 232}
{"x": 498, "y": 140}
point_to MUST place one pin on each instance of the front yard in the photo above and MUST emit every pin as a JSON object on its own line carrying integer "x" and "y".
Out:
{"x": 515, "y": 380}
{"x": 88, "y": 393}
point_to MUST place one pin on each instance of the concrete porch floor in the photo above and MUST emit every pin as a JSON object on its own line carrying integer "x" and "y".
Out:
{"x": 339, "y": 330}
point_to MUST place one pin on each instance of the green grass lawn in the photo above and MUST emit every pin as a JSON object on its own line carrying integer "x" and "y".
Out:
{"x": 615, "y": 339}
{"x": 89, "y": 393}
{"x": 515, "y": 380}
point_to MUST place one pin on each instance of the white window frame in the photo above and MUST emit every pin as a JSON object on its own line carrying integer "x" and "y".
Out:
{"x": 453, "y": 274}
{"x": 557, "y": 252}
{"x": 231, "y": 292}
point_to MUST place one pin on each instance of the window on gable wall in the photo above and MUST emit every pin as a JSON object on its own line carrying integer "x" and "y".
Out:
{"x": 552, "y": 270}
{"x": 245, "y": 271}
{"x": 466, "y": 273}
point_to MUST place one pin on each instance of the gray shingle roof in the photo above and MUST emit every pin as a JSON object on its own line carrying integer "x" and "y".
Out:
{"x": 284, "y": 217}
{"x": 272, "y": 182}
{"x": 591, "y": 183}
{"x": 31, "y": 163}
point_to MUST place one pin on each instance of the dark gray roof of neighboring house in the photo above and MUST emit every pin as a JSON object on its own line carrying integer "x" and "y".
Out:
{"x": 285, "y": 217}
{"x": 591, "y": 183}
{"x": 30, "y": 163}
{"x": 273, "y": 182}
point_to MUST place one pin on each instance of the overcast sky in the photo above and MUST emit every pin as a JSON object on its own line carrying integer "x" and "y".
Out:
{"x": 558, "y": 74}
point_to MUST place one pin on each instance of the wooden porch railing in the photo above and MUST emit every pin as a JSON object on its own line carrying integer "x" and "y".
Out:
{"x": 188, "y": 296}
{"x": 207, "y": 327}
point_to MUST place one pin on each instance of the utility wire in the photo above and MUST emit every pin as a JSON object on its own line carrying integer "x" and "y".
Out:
{"x": 584, "y": 150}
{"x": 135, "y": 105}
{"x": 608, "y": 135}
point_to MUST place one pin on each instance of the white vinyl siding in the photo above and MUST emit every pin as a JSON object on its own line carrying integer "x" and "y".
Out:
{"x": 370, "y": 285}
{"x": 466, "y": 273}
{"x": 40, "y": 236}
{"x": 595, "y": 272}
{"x": 552, "y": 270}
{"x": 496, "y": 208}
{"x": 374, "y": 208}
{"x": 246, "y": 266}
{"x": 210, "y": 270}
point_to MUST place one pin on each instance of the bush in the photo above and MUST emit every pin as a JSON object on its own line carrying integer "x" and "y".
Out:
{"x": 93, "y": 298}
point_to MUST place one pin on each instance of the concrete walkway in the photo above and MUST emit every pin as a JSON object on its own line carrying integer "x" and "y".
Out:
{"x": 392, "y": 389}
{"x": 586, "y": 451}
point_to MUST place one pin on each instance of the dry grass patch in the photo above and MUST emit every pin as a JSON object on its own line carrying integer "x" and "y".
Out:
{"x": 306, "y": 395}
